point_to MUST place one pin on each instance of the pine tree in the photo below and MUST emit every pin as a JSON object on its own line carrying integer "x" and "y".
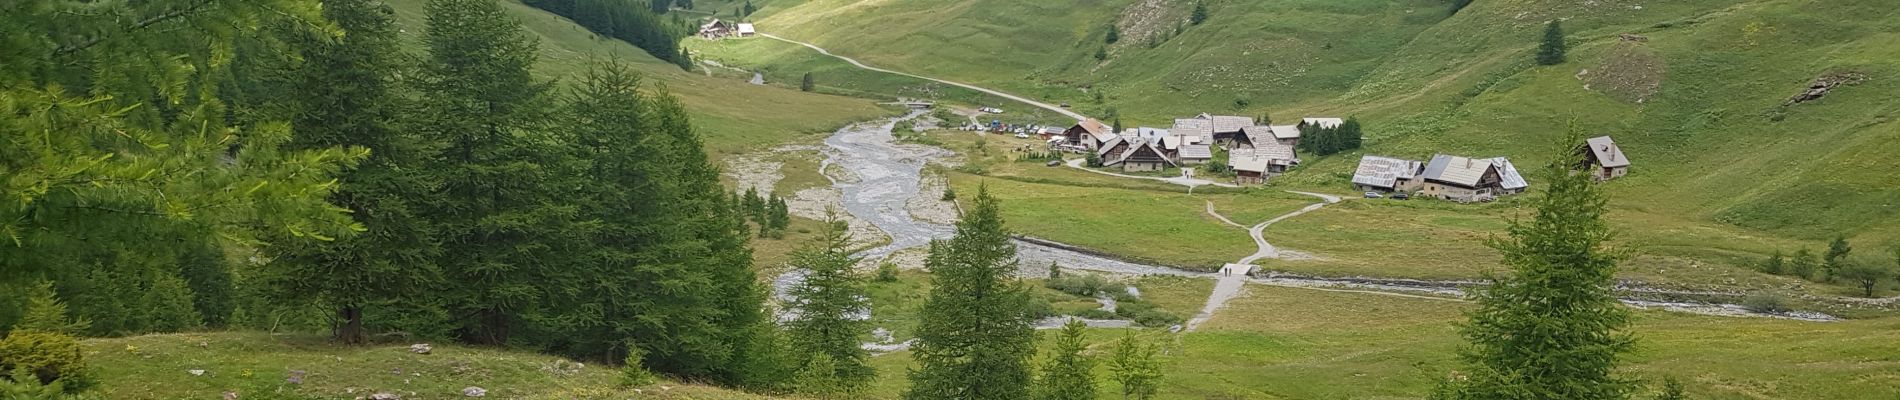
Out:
{"x": 1068, "y": 374}
{"x": 977, "y": 334}
{"x": 820, "y": 378}
{"x": 1199, "y": 15}
{"x": 1553, "y": 328}
{"x": 755, "y": 207}
{"x": 1101, "y": 54}
{"x": 349, "y": 95}
{"x": 498, "y": 220}
{"x": 1551, "y": 52}
{"x": 1114, "y": 34}
{"x": 1134, "y": 366}
{"x": 1776, "y": 265}
{"x": 168, "y": 305}
{"x": 1672, "y": 390}
{"x": 1803, "y": 264}
{"x": 826, "y": 304}
{"x": 45, "y": 313}
{"x": 749, "y": 9}
{"x": 1832, "y": 261}
{"x": 805, "y": 84}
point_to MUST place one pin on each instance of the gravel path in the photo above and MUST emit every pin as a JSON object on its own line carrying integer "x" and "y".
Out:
{"x": 1179, "y": 180}
{"x": 1038, "y": 104}
{"x": 1259, "y": 231}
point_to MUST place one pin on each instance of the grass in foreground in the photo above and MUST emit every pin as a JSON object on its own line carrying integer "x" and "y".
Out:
{"x": 250, "y": 363}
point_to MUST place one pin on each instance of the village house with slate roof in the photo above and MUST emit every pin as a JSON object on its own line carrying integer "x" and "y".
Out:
{"x": 1386, "y": 174}
{"x": 1603, "y": 159}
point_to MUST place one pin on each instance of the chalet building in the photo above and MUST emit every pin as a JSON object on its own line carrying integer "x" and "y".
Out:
{"x": 1196, "y": 127}
{"x": 1386, "y": 174}
{"x": 1509, "y": 181}
{"x": 1194, "y": 154}
{"x": 745, "y": 30}
{"x": 1253, "y": 166}
{"x": 1603, "y": 159}
{"x": 1088, "y": 133}
{"x": 1460, "y": 179}
{"x": 1211, "y": 128}
{"x": 1136, "y": 155}
{"x": 715, "y": 29}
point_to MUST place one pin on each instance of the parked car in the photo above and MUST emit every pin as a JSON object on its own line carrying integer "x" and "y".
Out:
{"x": 1401, "y": 196}
{"x": 1022, "y": 135}
{"x": 1374, "y": 195}
{"x": 1053, "y": 163}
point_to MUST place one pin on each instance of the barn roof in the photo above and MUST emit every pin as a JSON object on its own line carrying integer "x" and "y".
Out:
{"x": 1384, "y": 171}
{"x": 1197, "y": 151}
{"x": 1102, "y": 152}
{"x": 1457, "y": 170}
{"x": 1508, "y": 175}
{"x": 1248, "y": 163}
{"x": 1093, "y": 126}
{"x": 1226, "y": 123}
{"x": 745, "y": 28}
{"x": 1608, "y": 154}
{"x": 1123, "y": 157}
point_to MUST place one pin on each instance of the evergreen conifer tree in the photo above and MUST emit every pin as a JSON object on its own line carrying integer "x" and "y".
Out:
{"x": 826, "y": 304}
{"x": 977, "y": 334}
{"x": 1068, "y": 374}
{"x": 1133, "y": 365}
{"x": 45, "y": 313}
{"x": 806, "y": 84}
{"x": 820, "y": 378}
{"x": 1803, "y": 264}
{"x": 168, "y": 305}
{"x": 1199, "y": 15}
{"x": 1553, "y": 328}
{"x": 1776, "y": 265}
{"x": 1551, "y": 51}
{"x": 1833, "y": 261}
{"x": 349, "y": 95}
{"x": 1114, "y": 34}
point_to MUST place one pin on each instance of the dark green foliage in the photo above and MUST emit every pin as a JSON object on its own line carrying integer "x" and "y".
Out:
{"x": 1068, "y": 374}
{"x": 1198, "y": 16}
{"x": 1552, "y": 328}
{"x": 1133, "y": 365}
{"x": 1118, "y": 125}
{"x": 632, "y": 371}
{"x": 826, "y": 303}
{"x": 168, "y": 306}
{"x": 1803, "y": 264}
{"x": 1114, "y": 34}
{"x": 886, "y": 272}
{"x": 1085, "y": 285}
{"x": 349, "y": 95}
{"x": 660, "y": 6}
{"x": 949, "y": 194}
{"x": 1325, "y": 141}
{"x": 498, "y": 217}
{"x": 747, "y": 9}
{"x": 1866, "y": 274}
{"x": 643, "y": 27}
{"x": 1145, "y": 313}
{"x": 1837, "y": 252}
{"x": 1038, "y": 156}
{"x": 1459, "y": 5}
{"x": 208, "y": 276}
{"x": 46, "y": 356}
{"x": 1552, "y": 50}
{"x": 977, "y": 335}
{"x": 1092, "y": 160}
{"x": 1776, "y": 264}
{"x": 1055, "y": 271}
{"x": 1101, "y": 54}
{"x": 806, "y": 84}
{"x": 821, "y": 378}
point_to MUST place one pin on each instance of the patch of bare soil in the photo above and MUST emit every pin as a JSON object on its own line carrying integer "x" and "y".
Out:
{"x": 1631, "y": 72}
{"x": 816, "y": 203}
{"x": 928, "y": 205}
{"x": 1147, "y": 19}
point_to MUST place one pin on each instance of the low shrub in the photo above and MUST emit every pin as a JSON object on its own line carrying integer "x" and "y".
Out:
{"x": 1097, "y": 314}
{"x": 48, "y": 357}
{"x": 886, "y": 272}
{"x": 1765, "y": 303}
{"x": 1084, "y": 285}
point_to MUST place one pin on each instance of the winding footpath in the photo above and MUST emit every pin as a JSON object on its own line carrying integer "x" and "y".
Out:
{"x": 860, "y": 65}
{"x": 1234, "y": 277}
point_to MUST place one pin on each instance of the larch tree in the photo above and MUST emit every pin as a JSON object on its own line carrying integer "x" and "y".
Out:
{"x": 825, "y": 306}
{"x": 493, "y": 213}
{"x": 349, "y": 95}
{"x": 1133, "y": 365}
{"x": 976, "y": 336}
{"x": 1552, "y": 328}
{"x": 1552, "y": 50}
{"x": 1068, "y": 374}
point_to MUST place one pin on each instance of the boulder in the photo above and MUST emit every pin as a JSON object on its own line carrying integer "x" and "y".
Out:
{"x": 420, "y": 348}
{"x": 473, "y": 391}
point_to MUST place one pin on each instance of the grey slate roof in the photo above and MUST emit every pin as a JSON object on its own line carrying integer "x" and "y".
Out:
{"x": 1457, "y": 170}
{"x": 1197, "y": 151}
{"x": 1384, "y": 172}
{"x": 1507, "y": 174}
{"x": 1609, "y": 155}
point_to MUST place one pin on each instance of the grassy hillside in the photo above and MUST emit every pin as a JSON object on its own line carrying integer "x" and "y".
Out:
{"x": 734, "y": 116}
{"x": 254, "y": 364}
{"x": 1724, "y": 171}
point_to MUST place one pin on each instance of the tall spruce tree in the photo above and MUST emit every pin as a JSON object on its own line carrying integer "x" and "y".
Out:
{"x": 1552, "y": 50}
{"x": 1552, "y": 328}
{"x": 349, "y": 95}
{"x": 977, "y": 335}
{"x": 494, "y": 214}
{"x": 826, "y": 304}
{"x": 1068, "y": 374}
{"x": 1836, "y": 256}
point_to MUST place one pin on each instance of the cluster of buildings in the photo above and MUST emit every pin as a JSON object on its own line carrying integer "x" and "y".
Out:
{"x": 1255, "y": 152}
{"x": 1466, "y": 179}
{"x": 716, "y": 28}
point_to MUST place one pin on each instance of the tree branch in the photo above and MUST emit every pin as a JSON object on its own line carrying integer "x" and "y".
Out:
{"x": 142, "y": 24}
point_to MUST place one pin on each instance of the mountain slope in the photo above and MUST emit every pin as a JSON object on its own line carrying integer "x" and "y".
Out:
{"x": 1696, "y": 100}
{"x": 733, "y": 116}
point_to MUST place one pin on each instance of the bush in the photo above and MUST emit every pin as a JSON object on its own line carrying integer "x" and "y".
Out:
{"x": 1146, "y": 314}
{"x": 1766, "y": 303}
{"x": 47, "y": 356}
{"x": 949, "y": 194}
{"x": 1097, "y": 314}
{"x": 886, "y": 272}
{"x": 632, "y": 374}
{"x": 1040, "y": 308}
{"x": 1084, "y": 285}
